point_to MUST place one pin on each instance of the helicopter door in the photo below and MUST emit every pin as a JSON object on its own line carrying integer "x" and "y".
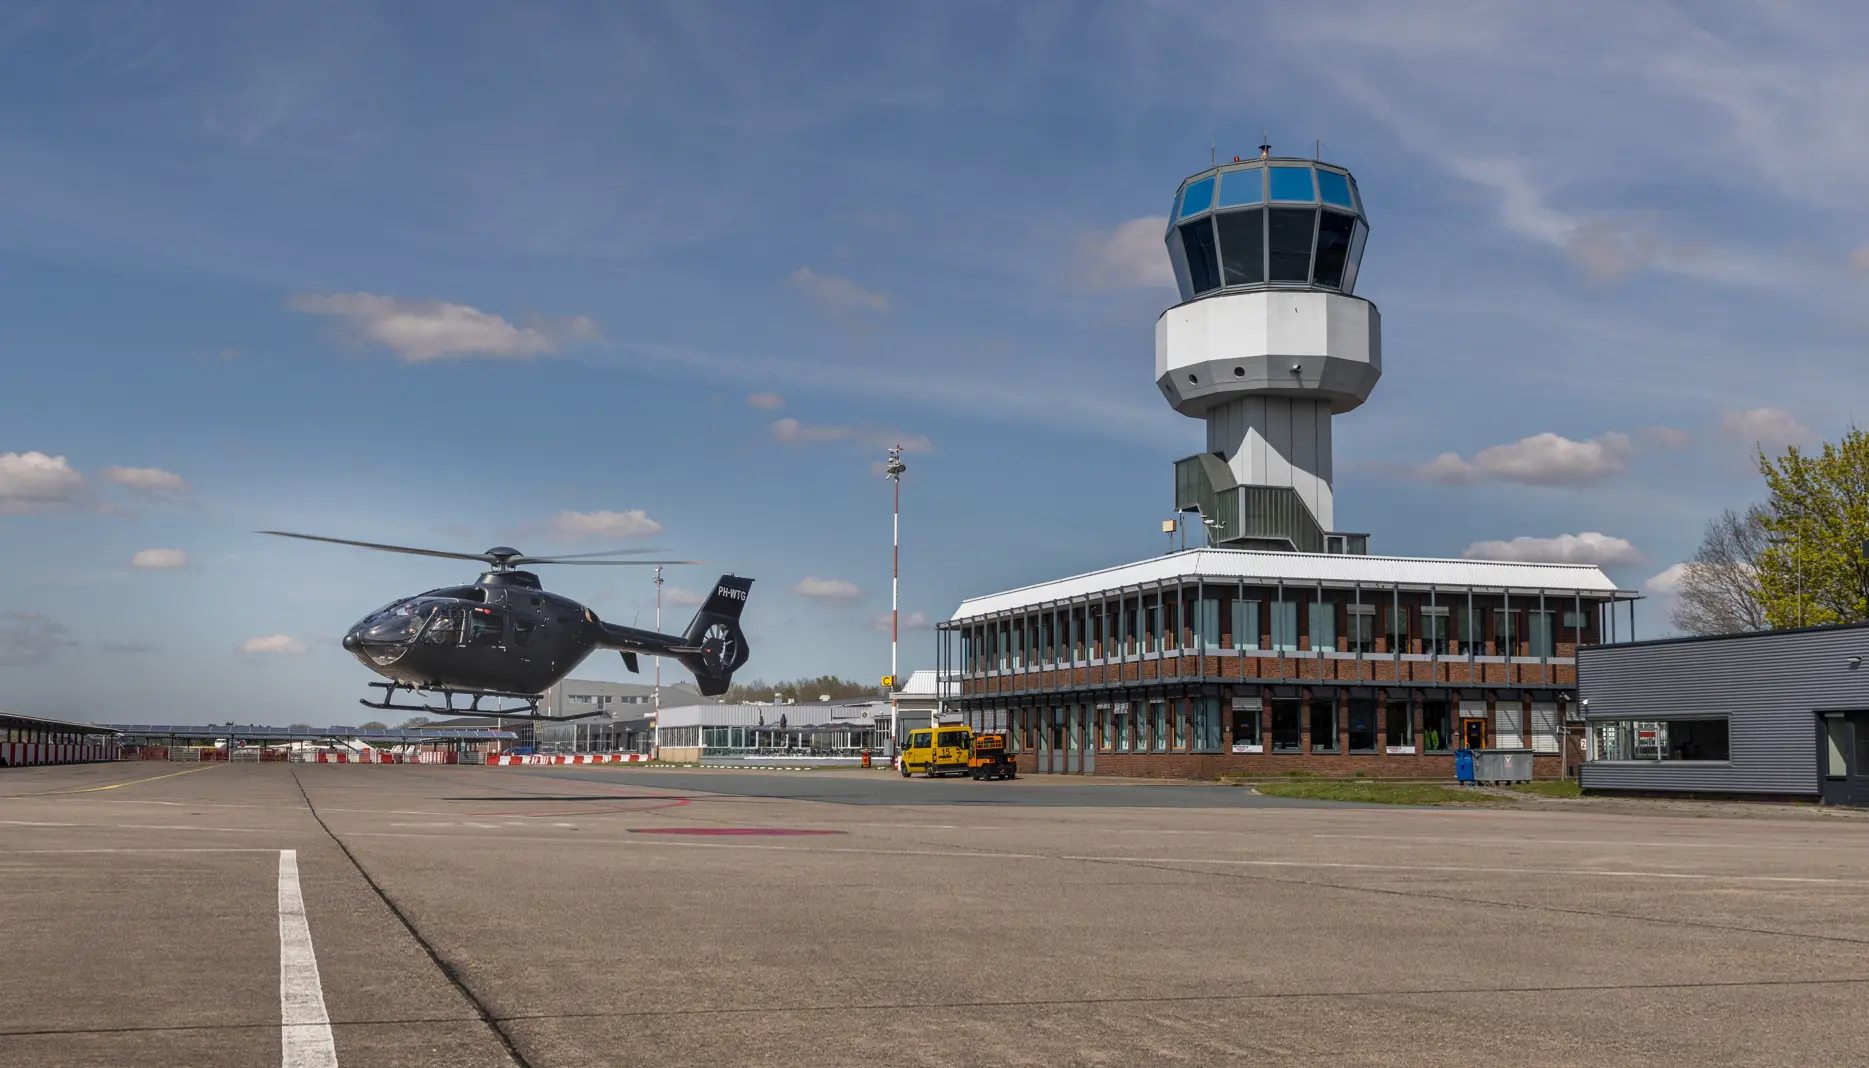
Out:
{"x": 446, "y": 626}
{"x": 486, "y": 627}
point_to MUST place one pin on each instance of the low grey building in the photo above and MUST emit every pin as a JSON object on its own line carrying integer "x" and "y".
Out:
{"x": 1781, "y": 713}
{"x": 627, "y": 722}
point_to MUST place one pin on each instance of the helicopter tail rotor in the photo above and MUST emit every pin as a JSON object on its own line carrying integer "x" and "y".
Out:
{"x": 715, "y": 634}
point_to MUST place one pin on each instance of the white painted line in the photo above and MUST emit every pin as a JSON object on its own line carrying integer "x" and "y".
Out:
{"x": 304, "y": 1025}
{"x": 1605, "y": 873}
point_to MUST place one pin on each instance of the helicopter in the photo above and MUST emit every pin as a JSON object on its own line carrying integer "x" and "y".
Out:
{"x": 504, "y": 637}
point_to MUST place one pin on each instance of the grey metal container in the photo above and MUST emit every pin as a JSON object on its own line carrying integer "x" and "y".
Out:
{"x": 1502, "y": 765}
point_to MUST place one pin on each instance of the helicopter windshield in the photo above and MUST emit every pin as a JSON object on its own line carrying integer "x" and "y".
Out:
{"x": 400, "y": 622}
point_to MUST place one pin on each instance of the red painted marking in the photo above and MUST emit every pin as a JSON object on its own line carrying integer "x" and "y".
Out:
{"x": 727, "y": 830}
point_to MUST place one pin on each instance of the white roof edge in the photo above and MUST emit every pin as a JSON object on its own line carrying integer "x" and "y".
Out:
{"x": 1302, "y": 567}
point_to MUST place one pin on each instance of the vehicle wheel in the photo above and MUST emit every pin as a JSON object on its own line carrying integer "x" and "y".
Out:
{"x": 905, "y": 770}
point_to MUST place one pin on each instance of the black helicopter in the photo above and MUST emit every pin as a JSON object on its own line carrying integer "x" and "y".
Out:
{"x": 505, "y": 638}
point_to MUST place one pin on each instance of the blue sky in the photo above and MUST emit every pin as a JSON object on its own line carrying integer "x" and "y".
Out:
{"x": 570, "y": 277}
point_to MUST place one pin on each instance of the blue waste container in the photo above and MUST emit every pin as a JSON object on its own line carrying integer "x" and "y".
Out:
{"x": 1463, "y": 765}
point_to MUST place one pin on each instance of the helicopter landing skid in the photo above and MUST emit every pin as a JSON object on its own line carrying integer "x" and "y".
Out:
{"x": 448, "y": 707}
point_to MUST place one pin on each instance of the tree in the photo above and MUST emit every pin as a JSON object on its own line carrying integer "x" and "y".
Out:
{"x": 416, "y": 721}
{"x": 1720, "y": 592}
{"x": 1812, "y": 569}
{"x": 372, "y": 725}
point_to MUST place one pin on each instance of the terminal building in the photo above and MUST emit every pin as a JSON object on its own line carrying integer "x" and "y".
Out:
{"x": 1280, "y": 644}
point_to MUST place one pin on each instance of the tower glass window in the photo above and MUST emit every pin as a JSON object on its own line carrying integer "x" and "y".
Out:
{"x": 1242, "y": 246}
{"x": 1197, "y": 241}
{"x": 1333, "y": 247}
{"x": 1334, "y": 188}
{"x": 1290, "y": 231}
{"x": 1198, "y": 198}
{"x": 1242, "y": 187}
{"x": 1289, "y": 183}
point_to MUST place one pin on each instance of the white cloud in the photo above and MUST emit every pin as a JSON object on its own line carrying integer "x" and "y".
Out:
{"x": 826, "y": 589}
{"x": 910, "y": 621}
{"x": 422, "y": 330}
{"x": 789, "y": 431}
{"x": 35, "y": 482}
{"x": 1768, "y": 428}
{"x": 1586, "y": 548}
{"x": 159, "y": 559}
{"x": 576, "y": 526}
{"x": 1540, "y": 460}
{"x": 273, "y": 644}
{"x": 1668, "y": 437}
{"x": 677, "y": 597}
{"x": 1666, "y": 583}
{"x": 792, "y": 432}
{"x": 28, "y": 639}
{"x": 1130, "y": 256}
{"x": 150, "y": 480}
{"x": 836, "y": 295}
{"x": 765, "y": 402}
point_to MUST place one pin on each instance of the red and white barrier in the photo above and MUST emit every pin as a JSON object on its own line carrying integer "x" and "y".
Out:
{"x": 565, "y": 758}
{"x": 17, "y": 754}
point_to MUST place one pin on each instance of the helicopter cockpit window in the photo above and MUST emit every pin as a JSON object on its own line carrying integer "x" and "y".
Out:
{"x": 522, "y": 630}
{"x": 445, "y": 627}
{"x": 486, "y": 627}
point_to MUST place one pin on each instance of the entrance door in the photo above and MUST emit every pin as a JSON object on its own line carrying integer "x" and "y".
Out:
{"x": 1056, "y": 740}
{"x": 1473, "y": 734}
{"x": 1843, "y": 758}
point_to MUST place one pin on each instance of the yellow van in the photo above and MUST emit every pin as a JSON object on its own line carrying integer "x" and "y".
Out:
{"x": 943, "y": 750}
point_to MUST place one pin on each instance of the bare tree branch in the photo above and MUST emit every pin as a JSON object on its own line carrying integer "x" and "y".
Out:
{"x": 1720, "y": 588}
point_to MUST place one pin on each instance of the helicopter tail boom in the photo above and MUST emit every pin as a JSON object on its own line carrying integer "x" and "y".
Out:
{"x": 713, "y": 647}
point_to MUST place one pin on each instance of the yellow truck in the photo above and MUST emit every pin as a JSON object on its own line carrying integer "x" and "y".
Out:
{"x": 942, "y": 750}
{"x": 991, "y": 758}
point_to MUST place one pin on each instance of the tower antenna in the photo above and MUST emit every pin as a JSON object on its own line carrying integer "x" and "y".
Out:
{"x": 1265, "y": 144}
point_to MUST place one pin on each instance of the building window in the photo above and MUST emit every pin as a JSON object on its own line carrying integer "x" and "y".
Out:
{"x": 1246, "y": 724}
{"x": 1245, "y": 624}
{"x": 1506, "y": 633}
{"x": 1242, "y": 246}
{"x": 1538, "y": 634}
{"x": 1103, "y": 729}
{"x": 1153, "y": 637}
{"x": 1395, "y": 635}
{"x": 1207, "y": 724}
{"x": 1285, "y": 626}
{"x": 1181, "y": 711}
{"x": 1398, "y": 725}
{"x": 1362, "y": 635}
{"x": 1434, "y": 637}
{"x": 1323, "y": 725}
{"x": 1836, "y": 751}
{"x": 1470, "y": 633}
{"x": 1120, "y": 716}
{"x": 1287, "y": 725}
{"x": 1662, "y": 739}
{"x": 1158, "y": 724}
{"x": 1577, "y": 621}
{"x": 1362, "y": 725}
{"x": 1323, "y": 626}
{"x": 1290, "y": 232}
{"x": 1207, "y": 623}
{"x": 1074, "y": 727}
{"x": 1197, "y": 240}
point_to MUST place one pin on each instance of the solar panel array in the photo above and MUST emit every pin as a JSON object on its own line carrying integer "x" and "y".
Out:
{"x": 255, "y": 732}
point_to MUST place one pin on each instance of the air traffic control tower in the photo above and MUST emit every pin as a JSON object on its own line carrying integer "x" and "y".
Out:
{"x": 1268, "y": 344}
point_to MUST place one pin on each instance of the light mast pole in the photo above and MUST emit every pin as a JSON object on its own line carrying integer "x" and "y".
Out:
{"x": 893, "y": 471}
{"x": 656, "y": 693}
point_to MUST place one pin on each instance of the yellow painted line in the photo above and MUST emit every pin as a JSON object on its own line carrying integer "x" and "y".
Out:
{"x": 117, "y": 785}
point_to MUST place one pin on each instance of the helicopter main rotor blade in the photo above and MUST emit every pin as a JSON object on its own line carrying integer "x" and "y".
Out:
{"x": 481, "y": 557}
{"x": 582, "y": 556}
{"x": 603, "y": 563}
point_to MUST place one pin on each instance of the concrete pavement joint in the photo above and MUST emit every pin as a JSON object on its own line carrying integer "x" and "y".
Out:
{"x": 897, "y": 1006}
{"x": 447, "y": 969}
